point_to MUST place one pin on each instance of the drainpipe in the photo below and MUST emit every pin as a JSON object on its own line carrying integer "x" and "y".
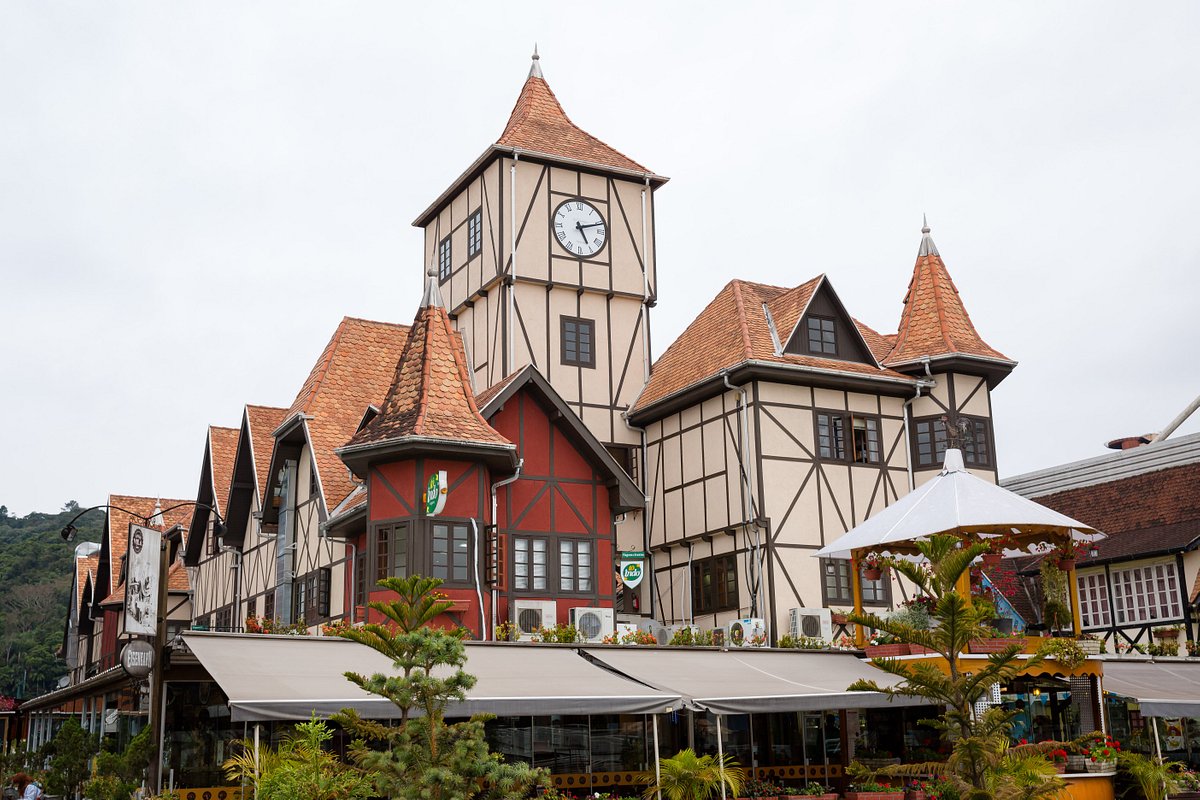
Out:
{"x": 927, "y": 383}
{"x": 691, "y": 617}
{"x": 496, "y": 524}
{"x": 646, "y": 292}
{"x": 512, "y": 269}
{"x": 744, "y": 431}
{"x": 353, "y": 582}
{"x": 483, "y": 634}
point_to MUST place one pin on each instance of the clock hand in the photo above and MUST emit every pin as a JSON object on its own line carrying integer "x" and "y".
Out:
{"x": 579, "y": 227}
{"x": 590, "y": 224}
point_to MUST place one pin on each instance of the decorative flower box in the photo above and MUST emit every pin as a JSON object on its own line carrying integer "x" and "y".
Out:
{"x": 887, "y": 650}
{"x": 896, "y": 795}
{"x": 808, "y": 797}
{"x": 1101, "y": 766}
{"x": 993, "y": 645}
{"x": 1077, "y": 763}
{"x": 1089, "y": 646}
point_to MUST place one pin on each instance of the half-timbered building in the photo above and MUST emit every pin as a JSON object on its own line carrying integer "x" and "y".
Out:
{"x": 777, "y": 421}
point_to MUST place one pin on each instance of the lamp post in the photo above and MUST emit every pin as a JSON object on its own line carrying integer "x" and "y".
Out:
{"x": 157, "y": 698}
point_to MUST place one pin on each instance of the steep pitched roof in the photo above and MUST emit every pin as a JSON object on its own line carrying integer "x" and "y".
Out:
{"x": 935, "y": 321}
{"x": 354, "y": 370}
{"x": 430, "y": 397}
{"x": 117, "y": 533}
{"x": 733, "y": 329}
{"x": 262, "y": 421}
{"x": 85, "y": 567}
{"x": 222, "y": 444}
{"x": 539, "y": 124}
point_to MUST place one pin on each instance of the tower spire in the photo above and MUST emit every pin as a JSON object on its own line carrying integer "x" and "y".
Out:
{"x": 928, "y": 248}
{"x": 535, "y": 69}
{"x": 433, "y": 295}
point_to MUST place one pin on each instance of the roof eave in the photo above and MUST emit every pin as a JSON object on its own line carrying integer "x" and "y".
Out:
{"x": 497, "y": 151}
{"x": 359, "y": 457}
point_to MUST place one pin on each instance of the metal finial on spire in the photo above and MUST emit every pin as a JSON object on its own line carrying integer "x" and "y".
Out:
{"x": 924, "y": 224}
{"x": 928, "y": 248}
{"x": 535, "y": 69}
{"x": 433, "y": 295}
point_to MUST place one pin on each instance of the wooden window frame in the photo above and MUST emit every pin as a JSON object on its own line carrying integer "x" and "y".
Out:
{"x": 1138, "y": 597}
{"x": 717, "y": 598}
{"x": 848, "y": 452}
{"x": 821, "y": 352}
{"x": 1095, "y": 606}
{"x": 475, "y": 233}
{"x": 574, "y": 542}
{"x": 580, "y": 323}
{"x": 880, "y": 590}
{"x": 445, "y": 254}
{"x": 941, "y": 443}
{"x": 425, "y": 559}
{"x": 550, "y": 576}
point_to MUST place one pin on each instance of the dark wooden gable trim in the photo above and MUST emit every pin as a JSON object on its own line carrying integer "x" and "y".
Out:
{"x": 242, "y": 492}
{"x": 627, "y": 496}
{"x": 824, "y": 303}
{"x": 204, "y": 497}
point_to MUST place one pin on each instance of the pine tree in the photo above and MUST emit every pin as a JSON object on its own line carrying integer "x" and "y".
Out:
{"x": 424, "y": 757}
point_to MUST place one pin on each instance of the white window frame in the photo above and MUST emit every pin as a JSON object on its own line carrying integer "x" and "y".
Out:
{"x": 1095, "y": 611}
{"x": 1146, "y": 593}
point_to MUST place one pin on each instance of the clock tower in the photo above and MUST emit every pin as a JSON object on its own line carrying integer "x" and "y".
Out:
{"x": 544, "y": 251}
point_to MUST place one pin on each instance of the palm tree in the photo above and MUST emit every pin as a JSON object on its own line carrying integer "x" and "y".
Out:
{"x": 687, "y": 776}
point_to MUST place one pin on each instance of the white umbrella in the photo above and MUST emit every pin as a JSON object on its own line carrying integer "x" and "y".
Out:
{"x": 955, "y": 501}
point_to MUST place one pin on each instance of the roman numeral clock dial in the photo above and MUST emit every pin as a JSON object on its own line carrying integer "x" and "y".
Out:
{"x": 580, "y": 228}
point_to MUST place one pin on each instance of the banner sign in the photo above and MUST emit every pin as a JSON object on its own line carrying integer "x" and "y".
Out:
{"x": 435, "y": 493}
{"x": 141, "y": 585}
{"x": 632, "y": 571}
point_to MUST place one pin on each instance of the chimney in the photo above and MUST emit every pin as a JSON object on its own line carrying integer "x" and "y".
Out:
{"x": 1130, "y": 442}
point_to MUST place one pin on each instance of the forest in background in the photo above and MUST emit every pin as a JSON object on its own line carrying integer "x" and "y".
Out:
{"x": 35, "y": 587}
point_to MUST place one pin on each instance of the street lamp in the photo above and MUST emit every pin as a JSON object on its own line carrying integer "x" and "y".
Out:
{"x": 157, "y": 706}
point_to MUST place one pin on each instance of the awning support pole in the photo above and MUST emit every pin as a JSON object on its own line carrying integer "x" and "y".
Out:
{"x": 1157, "y": 743}
{"x": 256, "y": 728}
{"x": 1072, "y": 586}
{"x": 657, "y": 766}
{"x": 720, "y": 756}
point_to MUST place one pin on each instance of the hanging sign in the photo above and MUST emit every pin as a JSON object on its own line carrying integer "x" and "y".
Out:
{"x": 141, "y": 584}
{"x": 137, "y": 659}
{"x": 435, "y": 493}
{"x": 632, "y": 569}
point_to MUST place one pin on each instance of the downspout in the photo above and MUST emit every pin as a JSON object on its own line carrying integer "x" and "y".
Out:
{"x": 483, "y": 634}
{"x": 496, "y": 524}
{"x": 927, "y": 383}
{"x": 353, "y": 582}
{"x": 748, "y": 509}
{"x": 645, "y": 292}
{"x": 691, "y": 589}
{"x": 512, "y": 268}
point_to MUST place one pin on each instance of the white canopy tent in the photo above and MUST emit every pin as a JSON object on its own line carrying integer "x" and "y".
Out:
{"x": 955, "y": 501}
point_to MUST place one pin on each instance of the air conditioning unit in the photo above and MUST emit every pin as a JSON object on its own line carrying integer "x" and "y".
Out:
{"x": 671, "y": 630}
{"x": 814, "y": 623}
{"x": 748, "y": 632}
{"x": 593, "y": 624}
{"x": 626, "y": 629}
{"x": 529, "y": 615}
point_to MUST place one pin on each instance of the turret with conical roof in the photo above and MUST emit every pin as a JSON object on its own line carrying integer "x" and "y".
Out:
{"x": 935, "y": 324}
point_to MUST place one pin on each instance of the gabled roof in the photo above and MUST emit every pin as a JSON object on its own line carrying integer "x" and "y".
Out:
{"x": 115, "y": 539}
{"x": 627, "y": 496}
{"x": 538, "y": 124}
{"x": 353, "y": 371}
{"x": 85, "y": 570}
{"x": 216, "y": 483}
{"x": 935, "y": 322}
{"x": 430, "y": 400}
{"x": 222, "y": 445}
{"x": 261, "y": 421}
{"x": 733, "y": 331}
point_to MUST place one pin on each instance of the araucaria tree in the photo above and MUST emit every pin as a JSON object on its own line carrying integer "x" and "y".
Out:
{"x": 423, "y": 757}
{"x": 982, "y": 764}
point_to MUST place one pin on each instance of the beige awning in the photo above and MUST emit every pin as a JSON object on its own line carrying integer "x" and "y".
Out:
{"x": 751, "y": 681}
{"x": 294, "y": 677}
{"x": 1161, "y": 688}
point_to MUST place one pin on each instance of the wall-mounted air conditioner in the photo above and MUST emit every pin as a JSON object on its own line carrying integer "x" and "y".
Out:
{"x": 748, "y": 632}
{"x": 625, "y": 629}
{"x": 814, "y": 623}
{"x": 593, "y": 624}
{"x": 671, "y": 630}
{"x": 530, "y": 615}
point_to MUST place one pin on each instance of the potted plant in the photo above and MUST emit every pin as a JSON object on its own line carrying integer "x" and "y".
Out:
{"x": 1102, "y": 753}
{"x": 1166, "y": 632}
{"x": 1189, "y": 785}
{"x": 760, "y": 789}
{"x": 995, "y": 643}
{"x": 1156, "y": 779}
{"x": 871, "y": 790}
{"x": 809, "y": 791}
{"x": 1193, "y": 648}
{"x": 687, "y": 776}
{"x": 1065, "y": 651}
{"x": 872, "y": 566}
{"x": 916, "y": 790}
{"x": 1059, "y": 758}
{"x": 507, "y": 632}
{"x": 1089, "y": 644}
{"x": 884, "y": 645}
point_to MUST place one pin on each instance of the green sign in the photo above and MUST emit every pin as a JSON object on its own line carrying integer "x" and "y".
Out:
{"x": 632, "y": 554}
{"x": 435, "y": 493}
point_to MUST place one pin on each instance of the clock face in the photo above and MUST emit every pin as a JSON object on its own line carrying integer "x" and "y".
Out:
{"x": 579, "y": 228}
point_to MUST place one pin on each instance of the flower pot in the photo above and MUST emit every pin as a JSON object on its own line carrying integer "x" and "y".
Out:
{"x": 873, "y": 573}
{"x": 993, "y": 645}
{"x": 1089, "y": 646}
{"x": 1101, "y": 766}
{"x": 887, "y": 650}
{"x": 1077, "y": 763}
{"x": 896, "y": 795}
{"x": 1167, "y": 634}
{"x": 1066, "y": 564}
{"x": 914, "y": 794}
{"x": 1060, "y": 768}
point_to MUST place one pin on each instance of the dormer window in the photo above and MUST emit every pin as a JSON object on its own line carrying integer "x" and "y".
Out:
{"x": 822, "y": 336}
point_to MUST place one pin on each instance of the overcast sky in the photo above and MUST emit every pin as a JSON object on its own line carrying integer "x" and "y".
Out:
{"x": 193, "y": 195}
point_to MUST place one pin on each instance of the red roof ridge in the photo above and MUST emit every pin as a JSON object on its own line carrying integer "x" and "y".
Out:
{"x": 741, "y": 311}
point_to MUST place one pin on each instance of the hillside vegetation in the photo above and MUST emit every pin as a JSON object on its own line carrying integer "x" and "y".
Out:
{"x": 35, "y": 586}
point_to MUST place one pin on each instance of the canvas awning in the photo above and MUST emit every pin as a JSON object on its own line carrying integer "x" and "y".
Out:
{"x": 751, "y": 681}
{"x": 955, "y": 501}
{"x": 1162, "y": 689}
{"x": 293, "y": 677}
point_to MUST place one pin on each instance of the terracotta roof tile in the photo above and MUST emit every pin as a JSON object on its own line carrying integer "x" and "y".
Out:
{"x": 353, "y": 372}
{"x": 485, "y": 397}
{"x": 732, "y": 329}
{"x": 263, "y": 421}
{"x": 118, "y": 527}
{"x": 935, "y": 321}
{"x": 222, "y": 443}
{"x": 85, "y": 567}
{"x": 430, "y": 396}
{"x": 787, "y": 307}
{"x": 539, "y": 124}
{"x": 177, "y": 577}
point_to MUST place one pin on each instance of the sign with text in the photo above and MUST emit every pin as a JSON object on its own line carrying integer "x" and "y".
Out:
{"x": 632, "y": 571}
{"x": 141, "y": 583}
{"x": 435, "y": 493}
{"x": 137, "y": 659}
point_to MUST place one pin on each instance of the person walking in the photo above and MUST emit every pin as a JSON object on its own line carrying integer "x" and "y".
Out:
{"x": 26, "y": 788}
